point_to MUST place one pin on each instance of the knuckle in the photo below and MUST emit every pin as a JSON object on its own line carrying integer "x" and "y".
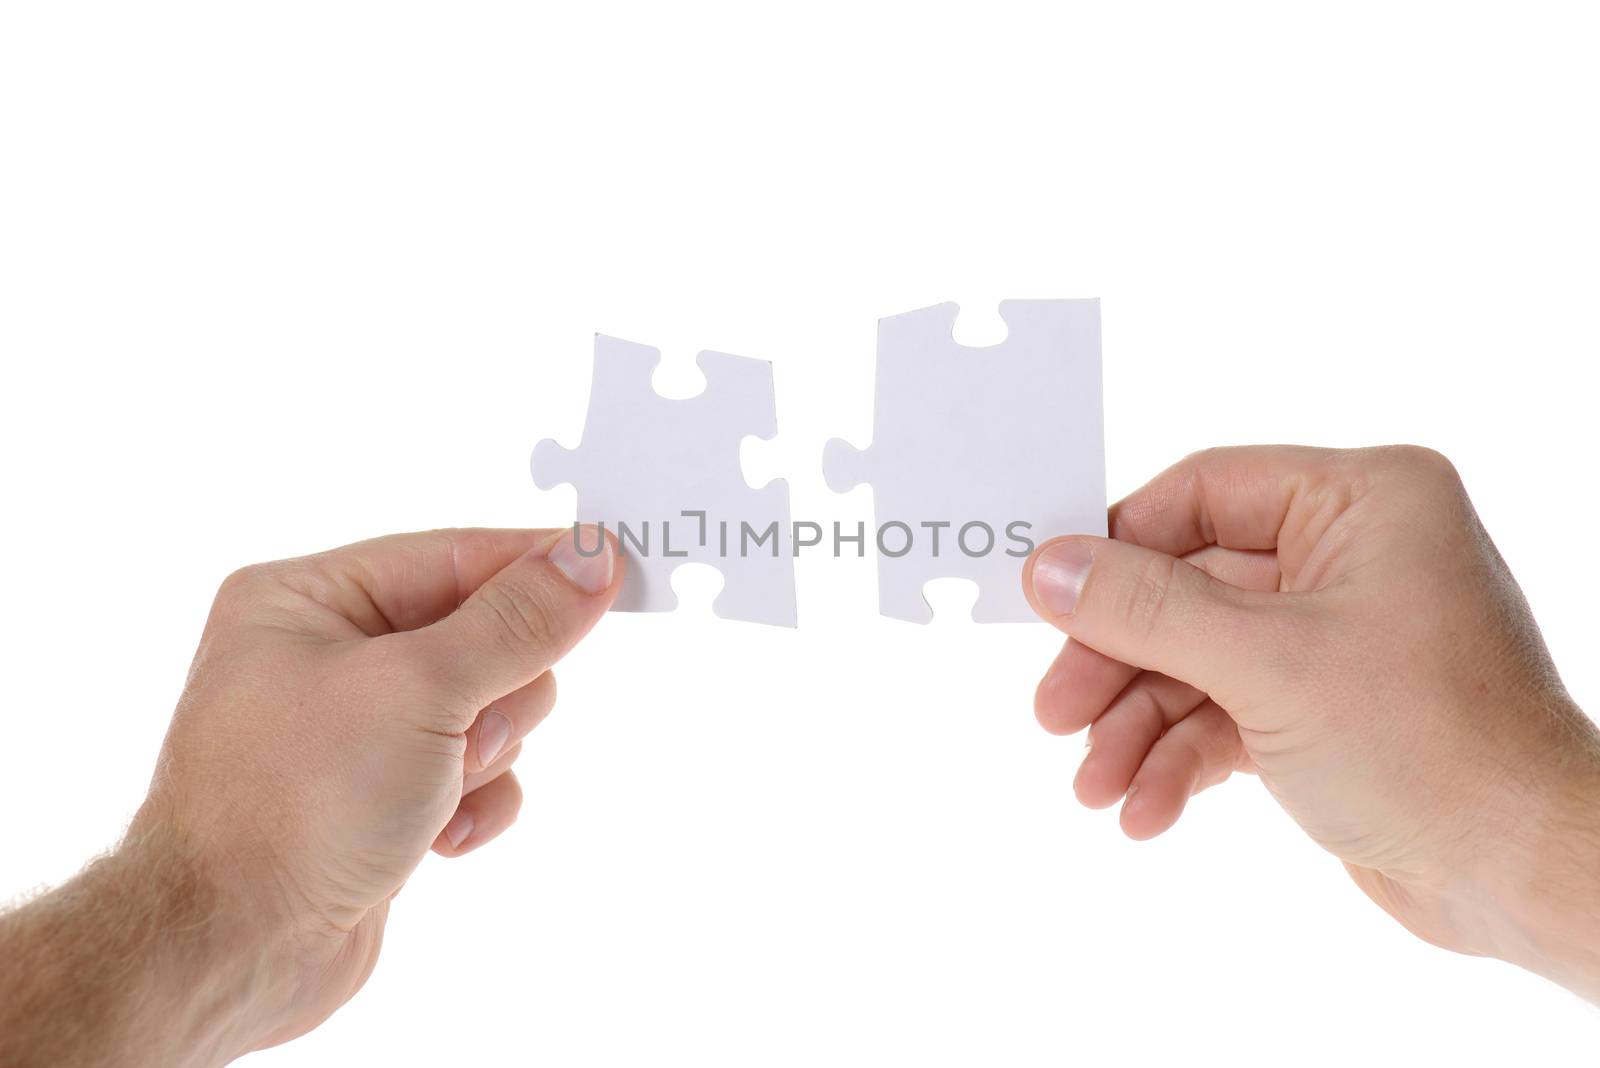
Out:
{"x": 242, "y": 583}
{"x": 521, "y": 617}
{"x": 1216, "y": 458}
{"x": 543, "y": 693}
{"x": 1422, "y": 460}
{"x": 1200, "y": 457}
{"x": 264, "y": 581}
{"x": 1145, "y": 602}
{"x": 1215, "y": 738}
{"x": 1191, "y": 755}
{"x": 513, "y": 790}
{"x": 1145, "y": 708}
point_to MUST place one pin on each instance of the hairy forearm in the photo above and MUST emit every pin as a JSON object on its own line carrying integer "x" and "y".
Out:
{"x": 1528, "y": 887}
{"x": 136, "y": 961}
{"x": 1553, "y": 907}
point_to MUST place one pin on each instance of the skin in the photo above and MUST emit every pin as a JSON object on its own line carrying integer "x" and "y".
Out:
{"x": 1340, "y": 624}
{"x": 331, "y": 734}
{"x": 1337, "y": 622}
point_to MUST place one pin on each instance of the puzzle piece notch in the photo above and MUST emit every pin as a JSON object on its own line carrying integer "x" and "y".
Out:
{"x": 551, "y": 464}
{"x": 844, "y": 467}
{"x": 928, "y": 333}
{"x": 985, "y": 433}
{"x": 623, "y": 372}
{"x": 644, "y": 459}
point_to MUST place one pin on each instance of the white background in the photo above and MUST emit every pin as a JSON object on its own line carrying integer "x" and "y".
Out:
{"x": 278, "y": 277}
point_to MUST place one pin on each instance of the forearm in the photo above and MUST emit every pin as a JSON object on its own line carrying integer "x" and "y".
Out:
{"x": 136, "y": 961}
{"x": 1545, "y": 903}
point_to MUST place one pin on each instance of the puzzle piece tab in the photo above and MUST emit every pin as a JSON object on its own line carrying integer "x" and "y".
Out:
{"x": 979, "y": 439}
{"x": 664, "y": 476}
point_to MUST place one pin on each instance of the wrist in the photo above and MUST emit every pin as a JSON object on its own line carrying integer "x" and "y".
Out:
{"x": 211, "y": 972}
{"x": 142, "y": 959}
{"x": 227, "y": 967}
{"x": 1542, "y": 897}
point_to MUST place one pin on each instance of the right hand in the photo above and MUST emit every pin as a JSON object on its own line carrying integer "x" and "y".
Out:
{"x": 346, "y": 713}
{"x": 1340, "y": 623}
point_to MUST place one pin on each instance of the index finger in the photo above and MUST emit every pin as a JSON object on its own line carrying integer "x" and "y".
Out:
{"x": 1245, "y": 497}
{"x": 413, "y": 580}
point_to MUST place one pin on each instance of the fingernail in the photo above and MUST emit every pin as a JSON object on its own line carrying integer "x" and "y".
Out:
{"x": 585, "y": 563}
{"x": 492, "y": 735}
{"x": 1058, "y": 575}
{"x": 459, "y": 827}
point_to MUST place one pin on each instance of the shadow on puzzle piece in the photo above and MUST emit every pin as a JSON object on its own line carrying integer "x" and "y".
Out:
{"x": 664, "y": 476}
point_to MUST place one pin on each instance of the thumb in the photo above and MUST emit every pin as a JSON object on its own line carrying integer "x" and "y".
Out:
{"x": 523, "y": 619}
{"x": 1154, "y": 611}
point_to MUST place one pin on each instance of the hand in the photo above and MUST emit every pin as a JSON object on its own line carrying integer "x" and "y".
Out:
{"x": 1339, "y": 623}
{"x": 345, "y": 713}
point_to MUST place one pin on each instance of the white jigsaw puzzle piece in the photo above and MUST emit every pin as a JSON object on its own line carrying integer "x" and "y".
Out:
{"x": 998, "y": 435}
{"x": 645, "y": 460}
